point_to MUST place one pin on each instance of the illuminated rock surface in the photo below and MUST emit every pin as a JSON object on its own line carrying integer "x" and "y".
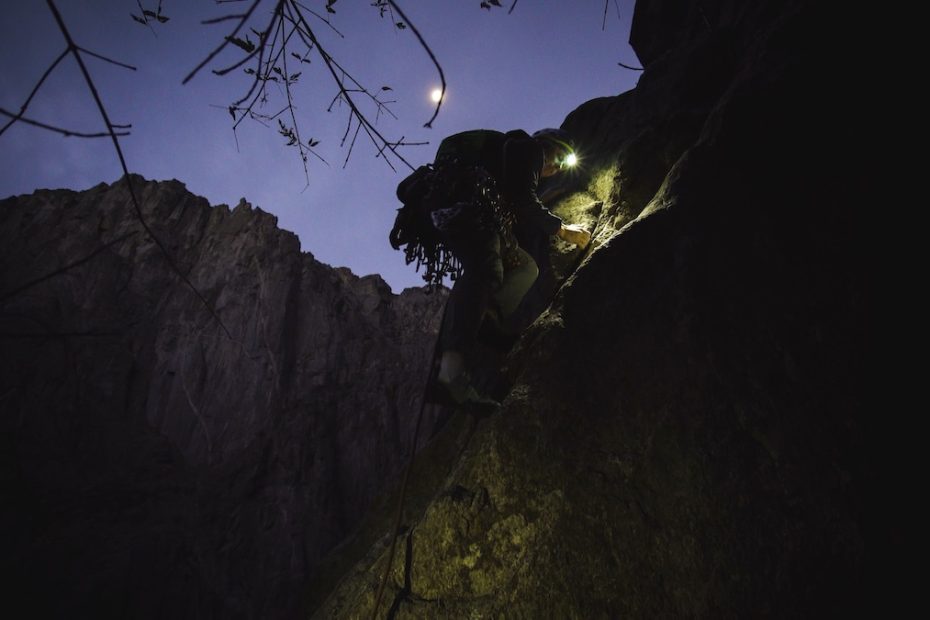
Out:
{"x": 685, "y": 433}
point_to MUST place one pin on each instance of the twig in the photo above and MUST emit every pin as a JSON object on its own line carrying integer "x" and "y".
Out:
{"x": 104, "y": 58}
{"x": 241, "y": 62}
{"x": 267, "y": 55}
{"x": 432, "y": 56}
{"x": 145, "y": 19}
{"x": 321, "y": 18}
{"x": 64, "y": 132}
{"x": 259, "y": 77}
{"x": 512, "y": 6}
{"x": 372, "y": 132}
{"x": 351, "y": 146}
{"x": 65, "y": 268}
{"x": 290, "y": 101}
{"x": 629, "y": 67}
{"x": 22, "y": 109}
{"x": 219, "y": 48}
{"x": 224, "y": 18}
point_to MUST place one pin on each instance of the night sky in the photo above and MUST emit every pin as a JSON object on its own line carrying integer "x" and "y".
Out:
{"x": 525, "y": 70}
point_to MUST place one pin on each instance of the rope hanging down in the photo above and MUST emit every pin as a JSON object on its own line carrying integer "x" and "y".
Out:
{"x": 431, "y": 376}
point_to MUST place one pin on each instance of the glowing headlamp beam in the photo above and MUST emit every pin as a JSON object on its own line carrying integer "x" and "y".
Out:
{"x": 570, "y": 160}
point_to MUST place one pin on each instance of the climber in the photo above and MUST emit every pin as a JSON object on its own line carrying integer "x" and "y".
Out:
{"x": 480, "y": 195}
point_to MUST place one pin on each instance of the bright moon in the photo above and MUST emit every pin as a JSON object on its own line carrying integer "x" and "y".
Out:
{"x": 436, "y": 95}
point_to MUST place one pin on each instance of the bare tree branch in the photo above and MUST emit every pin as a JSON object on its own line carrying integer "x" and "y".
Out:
{"x": 372, "y": 132}
{"x": 432, "y": 56}
{"x": 290, "y": 101}
{"x": 222, "y": 45}
{"x": 321, "y": 18}
{"x": 22, "y": 109}
{"x": 269, "y": 54}
{"x": 122, "y": 160}
{"x": 64, "y": 132}
{"x": 352, "y": 145}
{"x": 104, "y": 58}
{"x": 606, "y": 6}
{"x": 60, "y": 270}
{"x": 143, "y": 18}
{"x": 224, "y": 18}
{"x": 261, "y": 77}
{"x": 259, "y": 49}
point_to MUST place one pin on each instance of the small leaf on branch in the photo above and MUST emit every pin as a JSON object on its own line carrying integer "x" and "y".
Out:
{"x": 312, "y": 143}
{"x": 400, "y": 25}
{"x": 232, "y": 111}
{"x": 249, "y": 71}
{"x": 139, "y": 19}
{"x": 386, "y": 88}
{"x": 330, "y": 9}
{"x": 485, "y": 5}
{"x": 247, "y": 45}
{"x": 162, "y": 18}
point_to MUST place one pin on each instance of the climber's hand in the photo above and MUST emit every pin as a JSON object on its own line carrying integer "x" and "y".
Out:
{"x": 573, "y": 233}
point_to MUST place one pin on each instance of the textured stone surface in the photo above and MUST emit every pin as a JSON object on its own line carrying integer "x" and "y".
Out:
{"x": 686, "y": 431}
{"x": 158, "y": 467}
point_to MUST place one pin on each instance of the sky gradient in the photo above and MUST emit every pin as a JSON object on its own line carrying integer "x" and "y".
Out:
{"x": 525, "y": 70}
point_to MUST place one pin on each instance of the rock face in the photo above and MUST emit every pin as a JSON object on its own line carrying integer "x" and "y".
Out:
{"x": 156, "y": 465}
{"x": 686, "y": 431}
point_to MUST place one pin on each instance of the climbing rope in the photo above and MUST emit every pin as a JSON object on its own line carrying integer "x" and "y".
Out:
{"x": 430, "y": 378}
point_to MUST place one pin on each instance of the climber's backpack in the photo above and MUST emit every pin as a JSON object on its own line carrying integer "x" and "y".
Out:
{"x": 442, "y": 201}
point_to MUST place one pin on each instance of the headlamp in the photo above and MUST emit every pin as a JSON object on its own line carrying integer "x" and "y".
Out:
{"x": 569, "y": 160}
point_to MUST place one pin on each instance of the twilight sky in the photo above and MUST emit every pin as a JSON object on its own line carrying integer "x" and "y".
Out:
{"x": 526, "y": 70}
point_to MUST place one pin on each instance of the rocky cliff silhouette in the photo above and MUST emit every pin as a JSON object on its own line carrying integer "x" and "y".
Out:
{"x": 158, "y": 466}
{"x": 685, "y": 430}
